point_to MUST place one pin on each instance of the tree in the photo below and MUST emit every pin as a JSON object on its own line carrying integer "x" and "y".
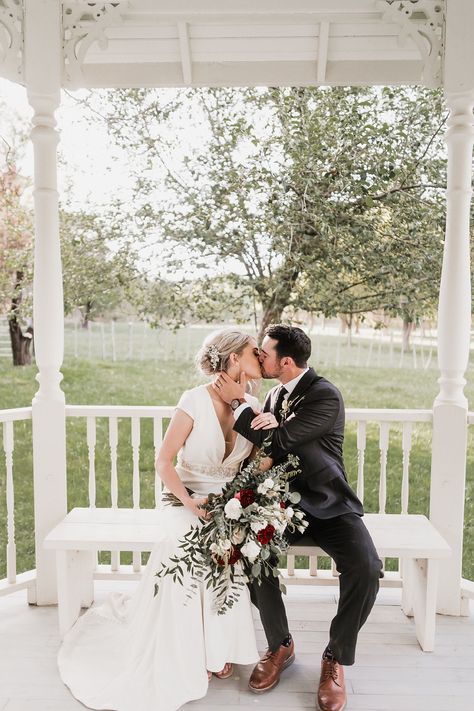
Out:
{"x": 16, "y": 231}
{"x": 326, "y": 199}
{"x": 99, "y": 269}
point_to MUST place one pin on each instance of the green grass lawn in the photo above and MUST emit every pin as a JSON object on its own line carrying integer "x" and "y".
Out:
{"x": 138, "y": 382}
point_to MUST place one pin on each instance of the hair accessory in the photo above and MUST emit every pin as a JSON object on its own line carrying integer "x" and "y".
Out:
{"x": 214, "y": 356}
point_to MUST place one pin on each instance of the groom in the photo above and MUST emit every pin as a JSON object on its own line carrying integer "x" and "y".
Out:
{"x": 305, "y": 415}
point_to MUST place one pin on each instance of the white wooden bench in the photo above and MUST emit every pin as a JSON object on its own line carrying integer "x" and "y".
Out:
{"x": 411, "y": 538}
{"x": 85, "y": 531}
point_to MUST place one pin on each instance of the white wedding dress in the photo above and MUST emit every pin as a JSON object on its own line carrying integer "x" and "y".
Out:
{"x": 147, "y": 653}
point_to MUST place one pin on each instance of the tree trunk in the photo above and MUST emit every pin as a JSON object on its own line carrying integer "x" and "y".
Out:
{"x": 347, "y": 321}
{"x": 271, "y": 314}
{"x": 273, "y": 304}
{"x": 20, "y": 341}
{"x": 407, "y": 330}
{"x": 85, "y": 316}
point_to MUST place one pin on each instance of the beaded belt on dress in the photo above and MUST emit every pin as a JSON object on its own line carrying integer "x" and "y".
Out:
{"x": 214, "y": 471}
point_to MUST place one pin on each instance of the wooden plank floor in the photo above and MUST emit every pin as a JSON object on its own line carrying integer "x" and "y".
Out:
{"x": 391, "y": 672}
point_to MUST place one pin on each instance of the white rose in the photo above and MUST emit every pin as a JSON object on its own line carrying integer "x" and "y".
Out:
{"x": 289, "y": 512}
{"x": 265, "y": 486}
{"x": 233, "y": 509}
{"x": 257, "y": 526}
{"x": 250, "y": 550}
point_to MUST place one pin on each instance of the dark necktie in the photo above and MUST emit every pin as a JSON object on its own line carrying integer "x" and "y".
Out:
{"x": 279, "y": 401}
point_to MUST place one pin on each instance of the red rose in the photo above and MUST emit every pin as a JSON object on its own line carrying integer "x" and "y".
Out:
{"x": 246, "y": 497}
{"x": 235, "y": 555}
{"x": 282, "y": 505}
{"x": 266, "y": 534}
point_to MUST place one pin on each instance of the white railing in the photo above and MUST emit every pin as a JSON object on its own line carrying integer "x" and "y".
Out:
{"x": 403, "y": 420}
{"x": 361, "y": 422}
{"x": 406, "y": 419}
{"x": 13, "y": 581}
{"x": 113, "y": 413}
{"x": 386, "y": 420}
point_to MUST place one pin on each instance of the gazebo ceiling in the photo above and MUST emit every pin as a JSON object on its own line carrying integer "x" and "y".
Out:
{"x": 149, "y": 43}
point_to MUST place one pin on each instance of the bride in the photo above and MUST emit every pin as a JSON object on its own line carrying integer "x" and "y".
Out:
{"x": 155, "y": 653}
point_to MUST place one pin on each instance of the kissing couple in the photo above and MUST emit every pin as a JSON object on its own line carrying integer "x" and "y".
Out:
{"x": 148, "y": 652}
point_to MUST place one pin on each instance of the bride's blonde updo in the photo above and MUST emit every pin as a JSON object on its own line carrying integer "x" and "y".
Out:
{"x": 214, "y": 354}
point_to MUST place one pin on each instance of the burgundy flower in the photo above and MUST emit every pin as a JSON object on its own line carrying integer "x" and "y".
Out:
{"x": 282, "y": 505}
{"x": 246, "y": 497}
{"x": 235, "y": 555}
{"x": 266, "y": 534}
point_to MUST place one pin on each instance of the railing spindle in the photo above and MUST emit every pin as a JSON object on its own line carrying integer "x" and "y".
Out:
{"x": 406, "y": 447}
{"x": 11, "y": 546}
{"x": 136, "y": 461}
{"x": 157, "y": 441}
{"x": 137, "y": 557}
{"x": 383, "y": 444}
{"x": 91, "y": 444}
{"x": 113, "y": 444}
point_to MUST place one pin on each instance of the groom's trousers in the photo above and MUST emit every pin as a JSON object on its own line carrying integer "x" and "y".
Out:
{"x": 346, "y": 539}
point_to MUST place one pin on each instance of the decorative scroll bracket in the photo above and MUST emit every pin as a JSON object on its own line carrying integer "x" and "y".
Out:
{"x": 423, "y": 21}
{"x": 11, "y": 39}
{"x": 82, "y": 27}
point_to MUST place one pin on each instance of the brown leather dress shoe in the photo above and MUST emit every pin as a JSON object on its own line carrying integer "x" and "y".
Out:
{"x": 266, "y": 674}
{"x": 332, "y": 690}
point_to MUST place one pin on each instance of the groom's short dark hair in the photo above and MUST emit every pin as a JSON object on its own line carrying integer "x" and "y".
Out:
{"x": 291, "y": 342}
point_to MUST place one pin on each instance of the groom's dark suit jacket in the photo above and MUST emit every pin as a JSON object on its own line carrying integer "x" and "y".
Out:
{"x": 314, "y": 431}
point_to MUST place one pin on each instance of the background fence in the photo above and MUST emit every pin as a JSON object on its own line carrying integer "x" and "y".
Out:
{"x": 135, "y": 340}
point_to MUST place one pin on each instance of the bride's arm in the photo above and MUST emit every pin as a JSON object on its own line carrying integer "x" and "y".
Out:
{"x": 176, "y": 435}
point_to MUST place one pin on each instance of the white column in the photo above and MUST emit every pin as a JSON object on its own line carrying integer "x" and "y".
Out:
{"x": 448, "y": 471}
{"x": 43, "y": 75}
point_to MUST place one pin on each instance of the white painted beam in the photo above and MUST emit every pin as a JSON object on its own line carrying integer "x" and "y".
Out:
{"x": 323, "y": 44}
{"x": 263, "y": 73}
{"x": 252, "y": 7}
{"x": 185, "y": 52}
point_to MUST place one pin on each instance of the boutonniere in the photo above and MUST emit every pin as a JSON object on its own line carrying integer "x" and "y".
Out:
{"x": 286, "y": 406}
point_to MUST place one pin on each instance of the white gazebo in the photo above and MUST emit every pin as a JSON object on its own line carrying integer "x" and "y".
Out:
{"x": 47, "y": 45}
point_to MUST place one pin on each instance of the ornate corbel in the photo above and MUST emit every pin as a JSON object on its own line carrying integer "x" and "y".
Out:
{"x": 11, "y": 39}
{"x": 423, "y": 21}
{"x": 83, "y": 25}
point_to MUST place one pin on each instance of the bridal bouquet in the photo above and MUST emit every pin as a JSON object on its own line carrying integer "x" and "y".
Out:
{"x": 243, "y": 535}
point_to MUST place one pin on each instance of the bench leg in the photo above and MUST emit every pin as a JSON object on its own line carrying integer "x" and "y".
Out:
{"x": 421, "y": 596}
{"x": 407, "y": 574}
{"x": 75, "y": 585}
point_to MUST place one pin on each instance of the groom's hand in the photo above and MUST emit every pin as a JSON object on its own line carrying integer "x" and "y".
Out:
{"x": 228, "y": 389}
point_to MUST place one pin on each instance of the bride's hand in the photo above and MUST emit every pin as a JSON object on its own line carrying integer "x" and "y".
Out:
{"x": 266, "y": 464}
{"x": 264, "y": 421}
{"x": 195, "y": 506}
